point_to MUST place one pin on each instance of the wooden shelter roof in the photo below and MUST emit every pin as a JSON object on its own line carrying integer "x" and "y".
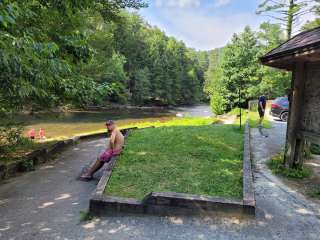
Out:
{"x": 302, "y": 47}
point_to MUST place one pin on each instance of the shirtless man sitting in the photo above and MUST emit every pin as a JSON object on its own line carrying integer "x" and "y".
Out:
{"x": 114, "y": 149}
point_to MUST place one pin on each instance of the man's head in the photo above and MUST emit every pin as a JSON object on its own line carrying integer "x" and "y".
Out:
{"x": 110, "y": 125}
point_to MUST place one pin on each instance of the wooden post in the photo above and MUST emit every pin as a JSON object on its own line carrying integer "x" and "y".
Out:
{"x": 295, "y": 140}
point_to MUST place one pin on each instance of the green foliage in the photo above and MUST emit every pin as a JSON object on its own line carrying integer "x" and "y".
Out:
{"x": 173, "y": 122}
{"x": 315, "y": 193}
{"x": 86, "y": 216}
{"x": 26, "y": 165}
{"x": 237, "y": 67}
{"x": 214, "y": 86}
{"x": 316, "y": 22}
{"x": 10, "y": 133}
{"x": 252, "y": 116}
{"x": 312, "y": 24}
{"x": 207, "y": 163}
{"x": 90, "y": 52}
{"x": 240, "y": 66}
{"x": 287, "y": 13}
{"x": 141, "y": 90}
{"x": 276, "y": 164}
{"x": 315, "y": 149}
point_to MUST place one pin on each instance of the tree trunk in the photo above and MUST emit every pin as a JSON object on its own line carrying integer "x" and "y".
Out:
{"x": 295, "y": 141}
{"x": 290, "y": 18}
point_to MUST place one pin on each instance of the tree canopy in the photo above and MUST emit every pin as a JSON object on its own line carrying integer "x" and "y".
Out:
{"x": 91, "y": 52}
{"x": 316, "y": 22}
{"x": 287, "y": 13}
{"x": 236, "y": 68}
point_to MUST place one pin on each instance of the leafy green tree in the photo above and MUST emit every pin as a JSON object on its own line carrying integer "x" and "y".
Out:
{"x": 287, "y": 13}
{"x": 274, "y": 82}
{"x": 236, "y": 68}
{"x": 240, "y": 66}
{"x": 316, "y": 22}
{"x": 85, "y": 52}
{"x": 141, "y": 92}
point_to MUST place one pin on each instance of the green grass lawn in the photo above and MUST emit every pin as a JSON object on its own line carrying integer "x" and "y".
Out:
{"x": 204, "y": 160}
{"x": 252, "y": 116}
{"x": 173, "y": 122}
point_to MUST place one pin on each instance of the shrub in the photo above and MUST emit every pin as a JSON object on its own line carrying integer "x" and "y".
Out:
{"x": 276, "y": 164}
{"x": 9, "y": 136}
{"x": 315, "y": 193}
{"x": 315, "y": 149}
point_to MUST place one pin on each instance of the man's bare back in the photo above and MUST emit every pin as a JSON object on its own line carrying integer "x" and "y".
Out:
{"x": 116, "y": 140}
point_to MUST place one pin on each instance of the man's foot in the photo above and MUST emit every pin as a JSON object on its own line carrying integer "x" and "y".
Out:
{"x": 86, "y": 177}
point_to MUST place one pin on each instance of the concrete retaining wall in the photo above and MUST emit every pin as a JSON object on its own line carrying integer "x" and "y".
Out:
{"x": 164, "y": 203}
{"x": 44, "y": 155}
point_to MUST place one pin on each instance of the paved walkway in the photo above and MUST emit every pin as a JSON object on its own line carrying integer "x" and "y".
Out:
{"x": 46, "y": 204}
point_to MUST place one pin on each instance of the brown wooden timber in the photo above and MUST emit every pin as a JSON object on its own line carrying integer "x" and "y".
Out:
{"x": 295, "y": 144}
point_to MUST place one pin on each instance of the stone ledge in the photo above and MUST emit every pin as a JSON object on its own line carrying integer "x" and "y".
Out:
{"x": 164, "y": 203}
{"x": 33, "y": 159}
{"x": 248, "y": 187}
{"x": 44, "y": 155}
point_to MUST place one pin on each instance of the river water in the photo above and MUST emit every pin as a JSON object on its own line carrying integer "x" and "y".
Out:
{"x": 69, "y": 124}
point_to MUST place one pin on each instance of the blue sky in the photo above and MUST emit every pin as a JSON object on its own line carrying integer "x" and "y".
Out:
{"x": 203, "y": 24}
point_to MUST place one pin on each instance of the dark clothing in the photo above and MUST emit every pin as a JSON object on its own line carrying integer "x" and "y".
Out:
{"x": 261, "y": 113}
{"x": 262, "y": 101}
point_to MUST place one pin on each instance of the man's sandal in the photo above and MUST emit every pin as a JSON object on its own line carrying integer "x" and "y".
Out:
{"x": 86, "y": 178}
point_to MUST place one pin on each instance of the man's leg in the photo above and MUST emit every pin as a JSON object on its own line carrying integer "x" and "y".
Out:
{"x": 260, "y": 121}
{"x": 105, "y": 157}
{"x": 261, "y": 115}
{"x": 96, "y": 166}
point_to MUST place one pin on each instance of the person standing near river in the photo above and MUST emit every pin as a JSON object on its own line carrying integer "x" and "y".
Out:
{"x": 114, "y": 148}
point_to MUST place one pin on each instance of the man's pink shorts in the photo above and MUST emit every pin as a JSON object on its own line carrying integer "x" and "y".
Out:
{"x": 108, "y": 154}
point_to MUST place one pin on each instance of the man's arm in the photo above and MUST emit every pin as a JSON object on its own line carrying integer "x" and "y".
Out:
{"x": 261, "y": 105}
{"x": 112, "y": 140}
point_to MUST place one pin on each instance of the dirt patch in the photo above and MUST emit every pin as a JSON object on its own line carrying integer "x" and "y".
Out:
{"x": 227, "y": 119}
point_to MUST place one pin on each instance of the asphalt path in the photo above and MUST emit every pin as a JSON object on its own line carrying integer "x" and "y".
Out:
{"x": 46, "y": 204}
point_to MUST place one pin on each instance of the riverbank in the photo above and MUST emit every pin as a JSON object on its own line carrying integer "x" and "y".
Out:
{"x": 62, "y": 125}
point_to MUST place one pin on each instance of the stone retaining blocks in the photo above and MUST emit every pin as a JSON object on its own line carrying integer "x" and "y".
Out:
{"x": 164, "y": 203}
{"x": 44, "y": 155}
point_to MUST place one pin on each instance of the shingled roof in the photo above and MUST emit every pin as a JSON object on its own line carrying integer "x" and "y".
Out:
{"x": 303, "y": 42}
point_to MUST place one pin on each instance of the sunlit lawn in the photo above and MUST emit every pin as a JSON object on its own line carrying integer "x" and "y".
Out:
{"x": 65, "y": 130}
{"x": 252, "y": 117}
{"x": 203, "y": 159}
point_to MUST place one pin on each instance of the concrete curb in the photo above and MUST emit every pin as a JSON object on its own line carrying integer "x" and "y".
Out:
{"x": 249, "y": 201}
{"x": 164, "y": 203}
{"x": 40, "y": 156}
{"x": 35, "y": 158}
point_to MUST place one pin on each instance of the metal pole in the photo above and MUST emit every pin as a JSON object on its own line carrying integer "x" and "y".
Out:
{"x": 240, "y": 107}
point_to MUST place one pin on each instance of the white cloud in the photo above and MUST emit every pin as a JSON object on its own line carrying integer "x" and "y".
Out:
{"x": 178, "y": 3}
{"x": 201, "y": 30}
{"x": 219, "y": 3}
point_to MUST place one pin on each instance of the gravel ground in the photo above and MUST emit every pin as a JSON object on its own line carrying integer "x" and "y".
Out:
{"x": 46, "y": 204}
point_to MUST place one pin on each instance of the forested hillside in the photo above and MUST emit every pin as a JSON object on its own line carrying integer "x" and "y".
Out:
{"x": 91, "y": 52}
{"x": 83, "y": 52}
{"x": 236, "y": 68}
